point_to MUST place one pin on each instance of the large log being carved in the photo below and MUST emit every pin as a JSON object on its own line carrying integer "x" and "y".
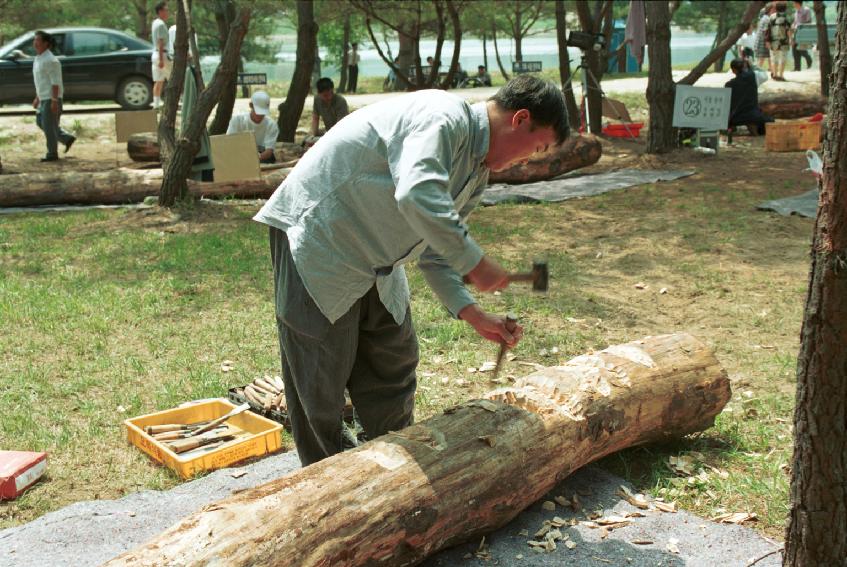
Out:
{"x": 403, "y": 496}
{"x": 576, "y": 152}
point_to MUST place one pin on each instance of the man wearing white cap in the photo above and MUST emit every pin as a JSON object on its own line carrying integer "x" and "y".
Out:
{"x": 259, "y": 122}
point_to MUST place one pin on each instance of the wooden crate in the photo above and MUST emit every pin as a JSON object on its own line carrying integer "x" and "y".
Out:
{"x": 792, "y": 136}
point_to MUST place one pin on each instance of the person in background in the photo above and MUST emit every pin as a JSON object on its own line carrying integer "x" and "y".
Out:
{"x": 258, "y": 122}
{"x": 747, "y": 43}
{"x": 762, "y": 52}
{"x": 47, "y": 75}
{"x": 482, "y": 76}
{"x": 353, "y": 69}
{"x": 778, "y": 40}
{"x": 329, "y": 106}
{"x": 802, "y": 15}
{"x": 744, "y": 103}
{"x": 161, "y": 59}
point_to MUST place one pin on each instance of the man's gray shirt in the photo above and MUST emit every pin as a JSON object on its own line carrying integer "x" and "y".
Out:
{"x": 393, "y": 182}
{"x": 331, "y": 112}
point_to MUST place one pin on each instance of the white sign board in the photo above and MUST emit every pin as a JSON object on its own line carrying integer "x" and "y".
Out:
{"x": 701, "y": 107}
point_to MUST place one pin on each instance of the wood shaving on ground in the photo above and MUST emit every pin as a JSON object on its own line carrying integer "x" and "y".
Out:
{"x": 641, "y": 541}
{"x": 665, "y": 506}
{"x": 637, "y": 500}
{"x": 735, "y": 517}
{"x": 673, "y": 545}
{"x": 549, "y": 506}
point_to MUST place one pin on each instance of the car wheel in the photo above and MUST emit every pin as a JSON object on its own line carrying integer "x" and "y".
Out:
{"x": 135, "y": 93}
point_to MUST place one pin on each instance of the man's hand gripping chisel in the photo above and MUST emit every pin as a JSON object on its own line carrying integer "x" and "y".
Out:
{"x": 511, "y": 325}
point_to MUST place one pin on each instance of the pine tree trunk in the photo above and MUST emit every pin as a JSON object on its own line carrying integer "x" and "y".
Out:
{"x": 485, "y": 51}
{"x": 497, "y": 51}
{"x": 174, "y": 186}
{"x": 224, "y": 17}
{"x": 565, "y": 65}
{"x": 817, "y": 529}
{"x": 456, "y": 23}
{"x": 824, "y": 57}
{"x": 345, "y": 55}
{"x": 516, "y": 32}
{"x": 177, "y": 169}
{"x": 456, "y": 476}
{"x": 307, "y": 44}
{"x": 660, "y": 85}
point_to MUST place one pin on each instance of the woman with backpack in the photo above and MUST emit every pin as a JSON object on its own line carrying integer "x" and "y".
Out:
{"x": 779, "y": 40}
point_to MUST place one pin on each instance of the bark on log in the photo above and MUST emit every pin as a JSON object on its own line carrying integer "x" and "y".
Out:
{"x": 405, "y": 495}
{"x": 574, "y": 153}
{"x": 790, "y": 106}
{"x": 143, "y": 147}
{"x": 117, "y": 187}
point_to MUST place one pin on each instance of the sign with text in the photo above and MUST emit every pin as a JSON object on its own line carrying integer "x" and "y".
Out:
{"x": 526, "y": 66}
{"x": 701, "y": 107}
{"x": 252, "y": 79}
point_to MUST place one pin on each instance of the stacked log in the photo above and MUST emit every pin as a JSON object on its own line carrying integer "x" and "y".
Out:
{"x": 456, "y": 476}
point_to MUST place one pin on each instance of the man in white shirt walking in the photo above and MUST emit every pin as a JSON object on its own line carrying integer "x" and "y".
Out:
{"x": 259, "y": 122}
{"x": 161, "y": 59}
{"x": 47, "y": 74}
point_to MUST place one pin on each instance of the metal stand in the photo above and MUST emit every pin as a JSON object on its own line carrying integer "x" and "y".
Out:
{"x": 586, "y": 73}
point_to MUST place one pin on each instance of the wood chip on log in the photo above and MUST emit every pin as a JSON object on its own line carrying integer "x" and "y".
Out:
{"x": 399, "y": 498}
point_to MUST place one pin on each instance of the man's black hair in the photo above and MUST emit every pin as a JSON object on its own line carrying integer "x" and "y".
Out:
{"x": 480, "y": 67}
{"x": 324, "y": 84}
{"x": 46, "y": 38}
{"x": 159, "y": 7}
{"x": 737, "y": 65}
{"x": 541, "y": 98}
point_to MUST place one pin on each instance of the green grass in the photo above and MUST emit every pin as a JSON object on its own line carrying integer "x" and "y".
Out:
{"x": 110, "y": 314}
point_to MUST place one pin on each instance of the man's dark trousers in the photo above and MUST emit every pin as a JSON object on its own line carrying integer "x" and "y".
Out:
{"x": 49, "y": 123}
{"x": 352, "y": 78}
{"x": 365, "y": 351}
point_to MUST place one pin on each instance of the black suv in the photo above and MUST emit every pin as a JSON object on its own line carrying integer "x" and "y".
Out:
{"x": 97, "y": 64}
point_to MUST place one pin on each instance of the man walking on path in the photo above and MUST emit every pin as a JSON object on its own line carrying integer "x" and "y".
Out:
{"x": 353, "y": 69}
{"x": 802, "y": 15}
{"x": 161, "y": 59}
{"x": 778, "y": 40}
{"x": 391, "y": 183}
{"x": 47, "y": 74}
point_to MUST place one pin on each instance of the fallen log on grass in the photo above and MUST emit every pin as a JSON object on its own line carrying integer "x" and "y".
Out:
{"x": 576, "y": 152}
{"x": 118, "y": 186}
{"x": 788, "y": 106}
{"x": 458, "y": 475}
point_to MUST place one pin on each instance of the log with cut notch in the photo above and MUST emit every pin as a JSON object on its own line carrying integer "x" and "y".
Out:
{"x": 458, "y": 475}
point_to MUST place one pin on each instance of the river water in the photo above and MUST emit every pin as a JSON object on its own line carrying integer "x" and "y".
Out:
{"x": 686, "y": 48}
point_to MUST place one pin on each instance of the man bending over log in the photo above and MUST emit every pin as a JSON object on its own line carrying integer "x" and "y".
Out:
{"x": 393, "y": 182}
